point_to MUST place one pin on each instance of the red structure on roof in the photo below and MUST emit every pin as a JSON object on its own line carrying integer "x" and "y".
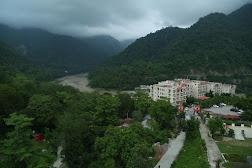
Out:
{"x": 180, "y": 108}
{"x": 231, "y": 117}
{"x": 232, "y": 86}
{"x": 196, "y": 108}
{"x": 203, "y": 82}
{"x": 217, "y": 84}
{"x": 203, "y": 98}
{"x": 184, "y": 84}
{"x": 180, "y": 88}
{"x": 179, "y": 82}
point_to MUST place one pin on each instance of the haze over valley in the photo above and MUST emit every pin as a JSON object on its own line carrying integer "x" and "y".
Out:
{"x": 125, "y": 84}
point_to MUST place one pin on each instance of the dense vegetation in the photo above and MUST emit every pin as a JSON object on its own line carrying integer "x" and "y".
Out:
{"x": 84, "y": 124}
{"x": 217, "y": 45}
{"x": 61, "y": 52}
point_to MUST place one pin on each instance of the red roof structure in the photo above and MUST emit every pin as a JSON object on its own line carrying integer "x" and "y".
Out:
{"x": 232, "y": 86}
{"x": 231, "y": 117}
{"x": 196, "y": 106}
{"x": 180, "y": 88}
{"x": 203, "y": 82}
{"x": 203, "y": 98}
{"x": 184, "y": 84}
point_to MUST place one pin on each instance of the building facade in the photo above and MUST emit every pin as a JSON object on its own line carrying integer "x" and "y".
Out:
{"x": 177, "y": 90}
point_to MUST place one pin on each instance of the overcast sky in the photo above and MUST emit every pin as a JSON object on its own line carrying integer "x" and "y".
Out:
{"x": 122, "y": 19}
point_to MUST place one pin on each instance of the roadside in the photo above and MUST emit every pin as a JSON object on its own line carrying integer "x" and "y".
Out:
{"x": 213, "y": 151}
{"x": 174, "y": 147}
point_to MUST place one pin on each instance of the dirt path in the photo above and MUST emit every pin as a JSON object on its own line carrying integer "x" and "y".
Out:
{"x": 175, "y": 146}
{"x": 213, "y": 151}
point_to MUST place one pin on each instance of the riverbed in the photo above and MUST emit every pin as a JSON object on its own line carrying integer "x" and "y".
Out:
{"x": 80, "y": 81}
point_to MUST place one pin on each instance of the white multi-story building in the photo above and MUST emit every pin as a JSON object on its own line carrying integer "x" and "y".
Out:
{"x": 177, "y": 90}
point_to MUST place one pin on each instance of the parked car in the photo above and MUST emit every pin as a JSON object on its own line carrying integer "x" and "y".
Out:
{"x": 240, "y": 113}
{"x": 223, "y": 104}
{"x": 186, "y": 109}
{"x": 234, "y": 109}
{"x": 215, "y": 106}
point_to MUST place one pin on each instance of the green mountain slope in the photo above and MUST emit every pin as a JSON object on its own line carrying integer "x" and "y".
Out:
{"x": 13, "y": 62}
{"x": 216, "y": 45}
{"x": 61, "y": 52}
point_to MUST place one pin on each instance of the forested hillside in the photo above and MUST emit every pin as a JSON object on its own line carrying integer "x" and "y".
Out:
{"x": 217, "y": 47}
{"x": 61, "y": 52}
{"x": 13, "y": 62}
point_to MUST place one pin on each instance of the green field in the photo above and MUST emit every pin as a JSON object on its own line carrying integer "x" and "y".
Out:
{"x": 193, "y": 155}
{"x": 236, "y": 153}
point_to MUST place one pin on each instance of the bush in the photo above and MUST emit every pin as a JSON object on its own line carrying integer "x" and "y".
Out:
{"x": 231, "y": 132}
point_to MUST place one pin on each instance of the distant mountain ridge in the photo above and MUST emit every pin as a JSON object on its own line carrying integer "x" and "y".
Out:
{"x": 61, "y": 52}
{"x": 216, "y": 45}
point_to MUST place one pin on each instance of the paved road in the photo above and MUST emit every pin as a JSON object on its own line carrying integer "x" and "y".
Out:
{"x": 174, "y": 147}
{"x": 58, "y": 162}
{"x": 213, "y": 151}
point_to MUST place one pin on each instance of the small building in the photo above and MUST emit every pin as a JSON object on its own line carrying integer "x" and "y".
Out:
{"x": 180, "y": 108}
{"x": 125, "y": 123}
{"x": 196, "y": 108}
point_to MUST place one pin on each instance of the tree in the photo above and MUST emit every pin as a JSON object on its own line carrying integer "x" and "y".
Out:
{"x": 126, "y": 105}
{"x": 75, "y": 131}
{"x": 216, "y": 125}
{"x": 163, "y": 112}
{"x": 140, "y": 157}
{"x": 210, "y": 94}
{"x": 44, "y": 109}
{"x": 190, "y": 100}
{"x": 18, "y": 150}
{"x": 107, "y": 110}
{"x": 137, "y": 116}
{"x": 142, "y": 102}
{"x": 192, "y": 128}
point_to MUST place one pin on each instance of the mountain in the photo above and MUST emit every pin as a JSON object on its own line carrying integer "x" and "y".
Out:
{"x": 217, "y": 47}
{"x": 61, "y": 52}
{"x": 126, "y": 43}
{"x": 13, "y": 62}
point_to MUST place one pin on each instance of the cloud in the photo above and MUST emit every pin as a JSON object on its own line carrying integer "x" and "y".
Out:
{"x": 120, "y": 19}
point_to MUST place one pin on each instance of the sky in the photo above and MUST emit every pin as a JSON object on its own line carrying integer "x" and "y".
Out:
{"x": 122, "y": 19}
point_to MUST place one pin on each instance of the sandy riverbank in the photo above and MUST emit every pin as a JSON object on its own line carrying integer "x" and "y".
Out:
{"x": 80, "y": 81}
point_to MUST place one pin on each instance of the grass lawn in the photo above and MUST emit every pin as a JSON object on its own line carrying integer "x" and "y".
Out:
{"x": 236, "y": 152}
{"x": 193, "y": 154}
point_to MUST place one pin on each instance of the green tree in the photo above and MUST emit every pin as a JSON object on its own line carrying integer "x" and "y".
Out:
{"x": 216, "y": 125}
{"x": 18, "y": 150}
{"x": 137, "y": 115}
{"x": 142, "y": 102}
{"x": 163, "y": 112}
{"x": 140, "y": 157}
{"x": 107, "y": 110}
{"x": 75, "y": 131}
{"x": 192, "y": 128}
{"x": 126, "y": 105}
{"x": 44, "y": 109}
